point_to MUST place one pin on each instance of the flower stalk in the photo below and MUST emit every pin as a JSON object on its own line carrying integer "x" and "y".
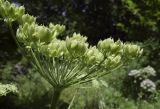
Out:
{"x": 55, "y": 98}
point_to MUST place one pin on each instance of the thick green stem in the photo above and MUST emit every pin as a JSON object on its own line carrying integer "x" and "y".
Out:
{"x": 55, "y": 98}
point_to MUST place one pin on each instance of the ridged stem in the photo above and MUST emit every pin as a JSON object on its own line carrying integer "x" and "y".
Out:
{"x": 55, "y": 98}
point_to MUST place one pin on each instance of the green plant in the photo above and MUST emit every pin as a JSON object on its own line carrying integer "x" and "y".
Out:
{"x": 7, "y": 88}
{"x": 64, "y": 63}
{"x": 33, "y": 90}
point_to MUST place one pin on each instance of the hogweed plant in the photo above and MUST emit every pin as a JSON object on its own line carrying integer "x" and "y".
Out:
{"x": 64, "y": 63}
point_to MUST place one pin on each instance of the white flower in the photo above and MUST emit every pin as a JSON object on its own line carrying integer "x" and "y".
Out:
{"x": 148, "y": 85}
{"x": 149, "y": 70}
{"x": 134, "y": 73}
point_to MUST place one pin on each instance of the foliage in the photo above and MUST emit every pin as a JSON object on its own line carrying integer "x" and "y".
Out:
{"x": 152, "y": 52}
{"x": 141, "y": 19}
{"x": 33, "y": 91}
{"x": 105, "y": 97}
{"x": 7, "y": 88}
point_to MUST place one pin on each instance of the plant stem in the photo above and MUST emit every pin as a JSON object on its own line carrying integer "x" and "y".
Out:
{"x": 22, "y": 51}
{"x": 12, "y": 33}
{"x": 55, "y": 98}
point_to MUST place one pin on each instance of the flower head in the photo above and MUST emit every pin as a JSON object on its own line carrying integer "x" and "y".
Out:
{"x": 77, "y": 45}
{"x": 148, "y": 85}
{"x": 57, "y": 48}
{"x": 132, "y": 51}
{"x": 112, "y": 61}
{"x": 93, "y": 56}
{"x": 134, "y": 73}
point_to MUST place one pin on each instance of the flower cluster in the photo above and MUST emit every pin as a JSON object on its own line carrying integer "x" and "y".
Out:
{"x": 93, "y": 56}
{"x": 142, "y": 77}
{"x": 69, "y": 61}
{"x": 143, "y": 73}
{"x": 76, "y": 45}
{"x": 107, "y": 53}
{"x": 74, "y": 49}
{"x": 148, "y": 85}
{"x": 132, "y": 50}
{"x": 11, "y": 12}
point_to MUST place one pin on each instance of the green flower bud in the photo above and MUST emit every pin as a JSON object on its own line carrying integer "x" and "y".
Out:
{"x": 42, "y": 48}
{"x": 20, "y": 36}
{"x": 77, "y": 45}
{"x": 33, "y": 33}
{"x": 115, "y": 48}
{"x": 7, "y": 11}
{"x": 112, "y": 61}
{"x": 132, "y": 51}
{"x": 93, "y": 56}
{"x": 11, "y": 12}
{"x": 57, "y": 48}
{"x": 74, "y": 44}
{"x": 2, "y": 10}
{"x": 105, "y": 44}
{"x": 20, "y": 11}
{"x": 42, "y": 33}
{"x": 6, "y": 5}
{"x": 26, "y": 18}
{"x": 25, "y": 33}
{"x": 108, "y": 46}
{"x": 56, "y": 29}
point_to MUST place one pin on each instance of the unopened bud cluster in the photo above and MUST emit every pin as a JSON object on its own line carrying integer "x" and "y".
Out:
{"x": 43, "y": 42}
{"x": 11, "y": 12}
{"x": 107, "y": 52}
